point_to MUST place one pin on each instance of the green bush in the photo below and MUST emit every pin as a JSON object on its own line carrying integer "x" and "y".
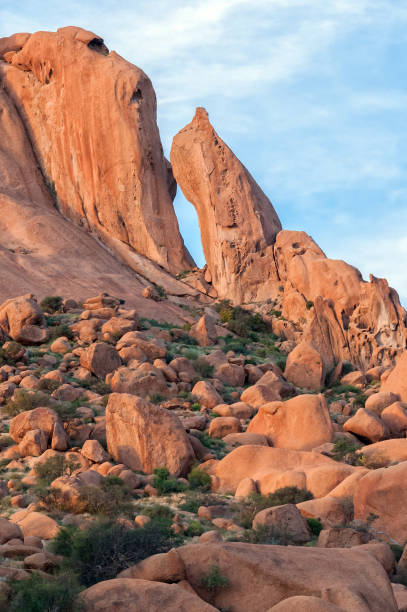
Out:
{"x": 107, "y": 547}
{"x": 56, "y": 331}
{"x": 40, "y": 593}
{"x": 195, "y": 528}
{"x": 11, "y": 352}
{"x": 345, "y": 450}
{"x": 315, "y": 526}
{"x": 166, "y": 484}
{"x": 203, "y": 368}
{"x": 255, "y": 502}
{"x": 53, "y": 468}
{"x": 238, "y": 320}
{"x": 266, "y": 534}
{"x": 216, "y": 446}
{"x": 158, "y": 511}
{"x": 309, "y": 304}
{"x": 199, "y": 479}
{"x": 47, "y": 384}
{"x": 214, "y": 581}
{"x": 51, "y": 303}
{"x": 112, "y": 498}
{"x": 22, "y": 401}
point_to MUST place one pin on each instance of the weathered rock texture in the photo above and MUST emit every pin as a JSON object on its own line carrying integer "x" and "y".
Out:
{"x": 238, "y": 222}
{"x": 91, "y": 117}
{"x": 338, "y": 314}
{"x": 144, "y": 436}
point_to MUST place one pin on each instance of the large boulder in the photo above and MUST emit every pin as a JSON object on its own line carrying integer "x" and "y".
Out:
{"x": 109, "y": 176}
{"x": 144, "y": 436}
{"x": 261, "y": 576}
{"x": 396, "y": 382}
{"x": 383, "y": 493}
{"x": 300, "y": 423}
{"x": 204, "y": 331}
{"x": 22, "y": 319}
{"x": 238, "y": 222}
{"x": 133, "y": 595}
{"x": 100, "y": 358}
{"x": 304, "y": 367}
{"x": 43, "y": 419}
{"x": 273, "y": 468}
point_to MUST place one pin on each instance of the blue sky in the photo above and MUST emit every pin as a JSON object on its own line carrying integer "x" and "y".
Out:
{"x": 309, "y": 94}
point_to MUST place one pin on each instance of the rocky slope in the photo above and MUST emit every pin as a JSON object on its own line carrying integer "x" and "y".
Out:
{"x": 160, "y": 444}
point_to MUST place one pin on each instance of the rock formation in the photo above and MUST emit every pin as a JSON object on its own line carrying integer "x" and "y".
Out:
{"x": 238, "y": 222}
{"x": 91, "y": 118}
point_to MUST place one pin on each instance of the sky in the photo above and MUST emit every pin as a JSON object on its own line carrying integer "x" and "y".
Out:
{"x": 309, "y": 94}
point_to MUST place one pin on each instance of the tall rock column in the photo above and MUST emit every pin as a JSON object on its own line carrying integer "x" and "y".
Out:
{"x": 91, "y": 118}
{"x": 238, "y": 222}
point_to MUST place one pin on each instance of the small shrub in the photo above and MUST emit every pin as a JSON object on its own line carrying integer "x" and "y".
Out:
{"x": 56, "y": 331}
{"x": 107, "y": 547}
{"x": 315, "y": 526}
{"x": 51, "y": 303}
{"x": 53, "y": 468}
{"x": 275, "y": 313}
{"x": 214, "y": 581}
{"x": 40, "y": 593}
{"x": 158, "y": 511}
{"x": 309, "y": 304}
{"x": 345, "y": 450}
{"x": 203, "y": 368}
{"x": 112, "y": 498}
{"x": 191, "y": 354}
{"x": 166, "y": 484}
{"x": 238, "y": 320}
{"x": 156, "y": 398}
{"x": 11, "y": 352}
{"x": 22, "y": 401}
{"x": 265, "y": 534}
{"x": 47, "y": 384}
{"x": 216, "y": 446}
{"x": 67, "y": 410}
{"x": 255, "y": 502}
{"x": 161, "y": 291}
{"x": 199, "y": 479}
{"x": 195, "y": 528}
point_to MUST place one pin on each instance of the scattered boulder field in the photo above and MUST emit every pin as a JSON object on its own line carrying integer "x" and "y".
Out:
{"x": 231, "y": 438}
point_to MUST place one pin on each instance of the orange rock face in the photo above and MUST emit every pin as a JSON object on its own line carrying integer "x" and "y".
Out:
{"x": 238, "y": 223}
{"x": 91, "y": 117}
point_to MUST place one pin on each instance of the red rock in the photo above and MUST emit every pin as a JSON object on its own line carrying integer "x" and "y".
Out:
{"x": 93, "y": 450}
{"x": 300, "y": 423}
{"x": 304, "y": 367}
{"x": 377, "y": 402}
{"x": 144, "y": 436}
{"x": 100, "y": 359}
{"x": 396, "y": 382}
{"x": 132, "y": 595}
{"x": 382, "y": 492}
{"x": 261, "y": 576}
{"x": 287, "y": 520}
{"x": 36, "y": 524}
{"x": 395, "y": 417}
{"x": 258, "y": 395}
{"x": 126, "y": 167}
{"x": 34, "y": 443}
{"x": 367, "y": 425}
{"x": 206, "y": 394}
{"x": 238, "y": 222}
{"x": 23, "y": 320}
{"x": 222, "y": 426}
{"x": 39, "y": 418}
{"x": 204, "y": 331}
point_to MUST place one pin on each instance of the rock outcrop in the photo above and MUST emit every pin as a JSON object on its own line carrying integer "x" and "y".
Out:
{"x": 91, "y": 118}
{"x": 339, "y": 315}
{"x": 238, "y": 223}
{"x": 145, "y": 437}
